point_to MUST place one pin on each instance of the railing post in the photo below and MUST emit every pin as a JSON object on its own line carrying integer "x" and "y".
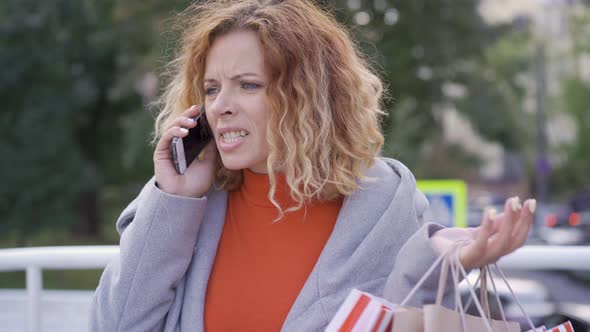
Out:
{"x": 34, "y": 289}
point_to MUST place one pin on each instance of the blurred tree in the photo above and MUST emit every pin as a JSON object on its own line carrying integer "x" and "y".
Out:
{"x": 72, "y": 107}
{"x": 77, "y": 75}
{"x": 497, "y": 86}
{"x": 433, "y": 55}
{"x": 574, "y": 99}
{"x": 574, "y": 174}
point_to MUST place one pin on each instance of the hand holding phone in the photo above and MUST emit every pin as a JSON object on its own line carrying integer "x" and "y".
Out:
{"x": 196, "y": 179}
{"x": 186, "y": 149}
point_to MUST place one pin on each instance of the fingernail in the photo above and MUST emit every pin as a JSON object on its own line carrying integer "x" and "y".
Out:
{"x": 533, "y": 205}
{"x": 184, "y": 130}
{"x": 492, "y": 214}
{"x": 515, "y": 204}
{"x": 193, "y": 107}
{"x": 190, "y": 120}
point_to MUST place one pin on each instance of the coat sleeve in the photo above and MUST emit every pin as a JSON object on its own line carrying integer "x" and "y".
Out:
{"x": 137, "y": 288}
{"x": 414, "y": 258}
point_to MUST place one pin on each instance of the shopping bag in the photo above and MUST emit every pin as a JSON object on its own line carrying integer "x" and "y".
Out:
{"x": 408, "y": 319}
{"x": 362, "y": 312}
{"x": 435, "y": 315}
{"x": 565, "y": 327}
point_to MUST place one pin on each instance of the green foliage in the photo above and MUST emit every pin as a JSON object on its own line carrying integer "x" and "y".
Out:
{"x": 495, "y": 101}
{"x": 575, "y": 173}
{"x": 573, "y": 100}
{"x": 69, "y": 76}
{"x": 70, "y": 279}
{"x": 432, "y": 44}
{"x": 75, "y": 128}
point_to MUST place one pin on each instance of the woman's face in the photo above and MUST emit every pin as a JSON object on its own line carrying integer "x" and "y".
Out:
{"x": 235, "y": 89}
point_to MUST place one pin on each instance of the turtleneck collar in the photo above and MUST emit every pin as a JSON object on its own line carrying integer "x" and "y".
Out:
{"x": 256, "y": 186}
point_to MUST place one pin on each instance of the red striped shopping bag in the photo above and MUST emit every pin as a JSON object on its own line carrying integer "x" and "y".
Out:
{"x": 565, "y": 327}
{"x": 362, "y": 312}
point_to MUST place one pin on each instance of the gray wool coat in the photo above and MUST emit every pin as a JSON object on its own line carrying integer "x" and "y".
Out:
{"x": 380, "y": 244}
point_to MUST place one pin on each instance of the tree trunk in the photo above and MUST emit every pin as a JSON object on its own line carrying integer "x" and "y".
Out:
{"x": 87, "y": 208}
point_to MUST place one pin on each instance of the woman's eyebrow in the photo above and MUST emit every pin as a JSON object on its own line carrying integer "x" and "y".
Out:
{"x": 233, "y": 78}
{"x": 237, "y": 77}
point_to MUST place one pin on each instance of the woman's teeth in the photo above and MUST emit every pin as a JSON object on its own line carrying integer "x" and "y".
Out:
{"x": 234, "y": 136}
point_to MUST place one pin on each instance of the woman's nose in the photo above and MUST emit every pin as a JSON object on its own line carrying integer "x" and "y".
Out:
{"x": 223, "y": 104}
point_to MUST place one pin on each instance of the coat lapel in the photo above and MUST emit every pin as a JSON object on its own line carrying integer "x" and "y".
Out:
{"x": 197, "y": 277}
{"x": 346, "y": 260}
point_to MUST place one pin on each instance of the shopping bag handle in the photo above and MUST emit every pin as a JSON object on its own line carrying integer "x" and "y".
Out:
{"x": 529, "y": 321}
{"x": 482, "y": 313}
{"x": 424, "y": 277}
{"x": 458, "y": 302}
{"x": 442, "y": 257}
{"x": 450, "y": 257}
{"x": 442, "y": 279}
{"x": 484, "y": 294}
{"x": 483, "y": 290}
{"x": 482, "y": 282}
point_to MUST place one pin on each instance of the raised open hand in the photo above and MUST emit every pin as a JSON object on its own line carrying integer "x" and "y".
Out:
{"x": 498, "y": 235}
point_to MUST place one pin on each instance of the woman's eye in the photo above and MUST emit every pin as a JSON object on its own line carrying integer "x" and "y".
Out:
{"x": 210, "y": 91}
{"x": 250, "y": 86}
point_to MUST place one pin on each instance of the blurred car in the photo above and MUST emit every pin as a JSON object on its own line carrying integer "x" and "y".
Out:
{"x": 577, "y": 314}
{"x": 560, "y": 224}
{"x": 580, "y": 201}
{"x": 536, "y": 301}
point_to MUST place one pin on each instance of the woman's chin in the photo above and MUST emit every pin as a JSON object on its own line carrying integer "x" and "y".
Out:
{"x": 236, "y": 165}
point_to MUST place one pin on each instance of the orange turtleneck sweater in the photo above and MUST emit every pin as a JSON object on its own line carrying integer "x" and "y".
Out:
{"x": 261, "y": 266}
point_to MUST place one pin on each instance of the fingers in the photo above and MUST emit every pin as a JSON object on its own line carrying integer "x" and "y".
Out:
{"x": 471, "y": 256}
{"x": 513, "y": 230}
{"x": 524, "y": 224}
{"x": 191, "y": 112}
{"x": 162, "y": 151}
{"x": 500, "y": 234}
{"x": 185, "y": 122}
{"x": 186, "y": 119}
{"x": 178, "y": 129}
{"x": 501, "y": 241}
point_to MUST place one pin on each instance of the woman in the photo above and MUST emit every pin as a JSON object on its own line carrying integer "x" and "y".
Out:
{"x": 290, "y": 207}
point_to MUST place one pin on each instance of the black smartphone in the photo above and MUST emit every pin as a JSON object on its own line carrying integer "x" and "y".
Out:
{"x": 186, "y": 149}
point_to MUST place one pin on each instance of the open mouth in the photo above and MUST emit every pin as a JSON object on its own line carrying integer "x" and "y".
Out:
{"x": 234, "y": 136}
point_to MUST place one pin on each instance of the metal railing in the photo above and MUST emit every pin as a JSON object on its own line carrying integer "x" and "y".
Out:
{"x": 35, "y": 260}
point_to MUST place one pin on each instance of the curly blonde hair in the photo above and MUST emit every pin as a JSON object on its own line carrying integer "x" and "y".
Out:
{"x": 324, "y": 125}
